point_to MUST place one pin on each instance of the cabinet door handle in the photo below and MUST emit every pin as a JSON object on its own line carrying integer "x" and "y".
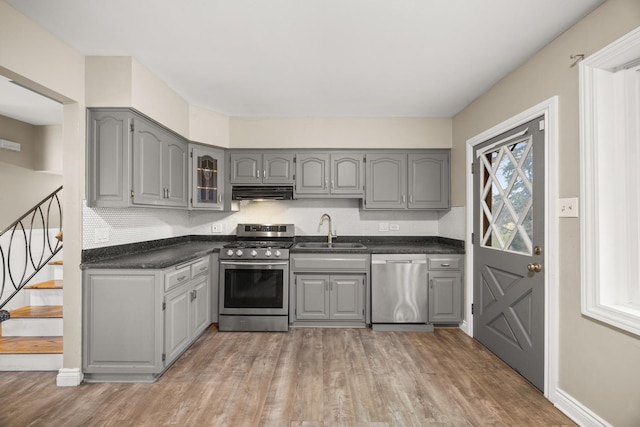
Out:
{"x": 333, "y": 184}
{"x": 431, "y": 283}
{"x": 411, "y": 199}
{"x": 258, "y": 173}
{"x": 219, "y": 198}
{"x": 325, "y": 184}
{"x": 404, "y": 198}
{"x": 195, "y": 294}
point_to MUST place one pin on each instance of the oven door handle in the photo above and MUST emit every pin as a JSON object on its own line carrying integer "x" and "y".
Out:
{"x": 251, "y": 263}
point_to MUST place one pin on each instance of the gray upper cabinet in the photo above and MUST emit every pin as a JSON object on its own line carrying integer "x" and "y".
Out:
{"x": 324, "y": 174}
{"x": 257, "y": 168}
{"x": 312, "y": 174}
{"x": 108, "y": 158}
{"x": 416, "y": 180}
{"x": 159, "y": 166}
{"x": 133, "y": 161}
{"x": 347, "y": 174}
{"x": 207, "y": 177}
{"x": 428, "y": 180}
{"x": 386, "y": 181}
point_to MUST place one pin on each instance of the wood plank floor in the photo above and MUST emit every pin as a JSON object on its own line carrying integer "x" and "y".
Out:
{"x": 306, "y": 377}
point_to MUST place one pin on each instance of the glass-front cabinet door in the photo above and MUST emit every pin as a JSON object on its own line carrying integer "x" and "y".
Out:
{"x": 207, "y": 177}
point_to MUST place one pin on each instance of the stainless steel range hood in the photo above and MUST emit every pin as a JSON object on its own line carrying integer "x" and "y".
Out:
{"x": 260, "y": 192}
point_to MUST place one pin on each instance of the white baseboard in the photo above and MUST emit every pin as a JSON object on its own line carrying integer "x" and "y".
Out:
{"x": 465, "y": 328}
{"x": 69, "y": 377}
{"x": 575, "y": 410}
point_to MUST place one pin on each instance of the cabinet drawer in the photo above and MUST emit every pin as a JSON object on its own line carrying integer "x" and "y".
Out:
{"x": 444, "y": 263}
{"x": 330, "y": 263}
{"x": 177, "y": 277}
{"x": 200, "y": 268}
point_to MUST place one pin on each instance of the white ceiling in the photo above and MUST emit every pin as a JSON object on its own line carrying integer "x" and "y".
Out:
{"x": 418, "y": 58}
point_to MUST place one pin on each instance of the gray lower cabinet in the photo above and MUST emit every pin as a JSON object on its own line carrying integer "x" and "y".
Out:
{"x": 261, "y": 168}
{"x": 137, "y": 322}
{"x": 132, "y": 160}
{"x": 330, "y": 290}
{"x": 330, "y": 297}
{"x": 329, "y": 174}
{"x": 445, "y": 289}
{"x": 415, "y": 180}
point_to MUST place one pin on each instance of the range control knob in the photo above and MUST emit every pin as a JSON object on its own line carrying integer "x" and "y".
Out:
{"x": 278, "y": 253}
{"x": 267, "y": 253}
{"x": 239, "y": 252}
{"x": 230, "y": 252}
{"x": 253, "y": 253}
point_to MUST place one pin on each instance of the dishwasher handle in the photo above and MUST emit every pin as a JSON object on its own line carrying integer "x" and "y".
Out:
{"x": 399, "y": 261}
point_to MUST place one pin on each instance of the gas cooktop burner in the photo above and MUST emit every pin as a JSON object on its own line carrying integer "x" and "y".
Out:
{"x": 243, "y": 244}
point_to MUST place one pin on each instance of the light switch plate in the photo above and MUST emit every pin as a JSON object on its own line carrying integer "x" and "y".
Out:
{"x": 383, "y": 226}
{"x": 216, "y": 228}
{"x": 568, "y": 207}
{"x": 394, "y": 227}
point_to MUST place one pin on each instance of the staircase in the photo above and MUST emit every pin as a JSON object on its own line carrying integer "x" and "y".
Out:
{"x": 31, "y": 338}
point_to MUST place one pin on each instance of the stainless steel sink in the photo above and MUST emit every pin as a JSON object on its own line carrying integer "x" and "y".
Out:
{"x": 332, "y": 245}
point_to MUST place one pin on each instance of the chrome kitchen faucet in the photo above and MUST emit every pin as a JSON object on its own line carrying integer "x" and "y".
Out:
{"x": 330, "y": 234}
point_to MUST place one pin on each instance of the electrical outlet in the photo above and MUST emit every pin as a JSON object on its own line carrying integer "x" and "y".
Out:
{"x": 394, "y": 227}
{"x": 383, "y": 226}
{"x": 568, "y": 208}
{"x": 100, "y": 235}
{"x": 216, "y": 228}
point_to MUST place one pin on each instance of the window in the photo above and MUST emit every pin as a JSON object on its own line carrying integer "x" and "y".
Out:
{"x": 610, "y": 183}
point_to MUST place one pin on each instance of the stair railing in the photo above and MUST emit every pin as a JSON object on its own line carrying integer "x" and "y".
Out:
{"x": 22, "y": 237}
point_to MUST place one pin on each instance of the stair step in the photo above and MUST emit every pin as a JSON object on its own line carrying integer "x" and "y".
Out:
{"x": 49, "y": 284}
{"x": 30, "y": 362}
{"x": 37, "y": 311}
{"x": 30, "y": 345}
{"x": 32, "y": 327}
{"x": 30, "y": 353}
{"x": 56, "y": 262}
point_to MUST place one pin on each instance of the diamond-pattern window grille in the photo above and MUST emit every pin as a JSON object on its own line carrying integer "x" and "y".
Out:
{"x": 506, "y": 197}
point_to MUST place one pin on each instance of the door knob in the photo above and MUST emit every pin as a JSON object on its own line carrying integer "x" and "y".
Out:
{"x": 536, "y": 267}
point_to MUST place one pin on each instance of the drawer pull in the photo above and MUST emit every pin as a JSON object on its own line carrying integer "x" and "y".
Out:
{"x": 445, "y": 265}
{"x": 203, "y": 268}
{"x": 181, "y": 278}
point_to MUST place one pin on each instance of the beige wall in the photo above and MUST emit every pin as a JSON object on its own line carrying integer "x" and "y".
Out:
{"x": 47, "y": 155}
{"x": 208, "y": 127}
{"x": 21, "y": 185}
{"x": 35, "y": 58}
{"x": 598, "y": 364}
{"x": 318, "y": 132}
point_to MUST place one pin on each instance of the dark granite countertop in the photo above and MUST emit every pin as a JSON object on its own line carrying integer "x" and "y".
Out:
{"x": 164, "y": 253}
{"x": 390, "y": 245}
{"x": 155, "y": 254}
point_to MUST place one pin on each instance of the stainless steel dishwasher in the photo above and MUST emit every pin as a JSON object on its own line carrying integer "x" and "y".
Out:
{"x": 399, "y": 292}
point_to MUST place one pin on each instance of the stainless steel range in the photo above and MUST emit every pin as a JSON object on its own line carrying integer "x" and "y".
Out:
{"x": 254, "y": 279}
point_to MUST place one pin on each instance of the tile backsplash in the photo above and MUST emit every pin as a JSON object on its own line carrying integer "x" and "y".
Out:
{"x": 111, "y": 226}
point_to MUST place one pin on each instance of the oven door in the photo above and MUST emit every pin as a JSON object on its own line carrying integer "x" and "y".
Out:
{"x": 254, "y": 287}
